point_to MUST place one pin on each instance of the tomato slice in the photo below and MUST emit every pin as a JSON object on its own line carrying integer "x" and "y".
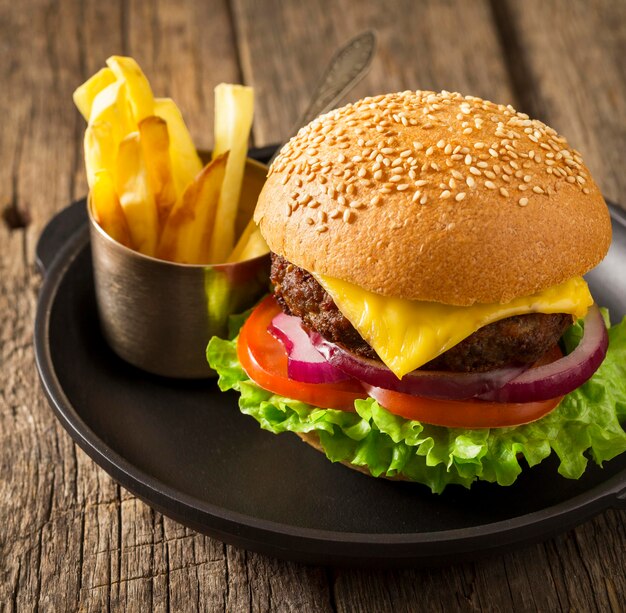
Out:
{"x": 461, "y": 414}
{"x": 264, "y": 359}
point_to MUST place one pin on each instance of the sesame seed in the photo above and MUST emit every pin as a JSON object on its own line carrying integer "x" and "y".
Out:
{"x": 586, "y": 190}
{"x": 470, "y": 181}
{"x": 416, "y": 196}
{"x": 348, "y": 216}
{"x": 321, "y": 229}
{"x": 341, "y": 200}
{"x": 362, "y": 172}
{"x": 523, "y": 201}
{"x": 387, "y": 150}
{"x": 378, "y": 175}
{"x": 310, "y": 220}
{"x": 445, "y": 194}
{"x": 420, "y": 182}
{"x": 490, "y": 185}
{"x": 527, "y": 178}
{"x": 395, "y": 178}
{"x": 468, "y": 159}
{"x": 376, "y": 200}
{"x": 459, "y": 196}
{"x": 474, "y": 170}
{"x": 538, "y": 190}
{"x": 402, "y": 186}
{"x": 504, "y": 192}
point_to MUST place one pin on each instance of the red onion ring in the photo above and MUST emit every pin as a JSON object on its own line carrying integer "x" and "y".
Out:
{"x": 426, "y": 383}
{"x": 564, "y": 375}
{"x": 304, "y": 362}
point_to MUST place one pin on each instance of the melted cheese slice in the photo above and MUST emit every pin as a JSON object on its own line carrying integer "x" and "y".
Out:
{"x": 408, "y": 333}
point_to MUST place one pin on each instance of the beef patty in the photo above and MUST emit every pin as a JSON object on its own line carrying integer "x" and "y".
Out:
{"x": 521, "y": 339}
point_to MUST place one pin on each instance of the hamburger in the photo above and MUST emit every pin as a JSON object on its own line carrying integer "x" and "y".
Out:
{"x": 429, "y": 320}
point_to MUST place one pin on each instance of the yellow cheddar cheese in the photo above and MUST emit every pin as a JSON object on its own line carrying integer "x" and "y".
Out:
{"x": 408, "y": 333}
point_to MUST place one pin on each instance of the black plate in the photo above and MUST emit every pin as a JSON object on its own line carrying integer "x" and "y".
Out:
{"x": 186, "y": 450}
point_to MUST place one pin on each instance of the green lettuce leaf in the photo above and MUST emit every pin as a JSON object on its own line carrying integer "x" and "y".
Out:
{"x": 585, "y": 424}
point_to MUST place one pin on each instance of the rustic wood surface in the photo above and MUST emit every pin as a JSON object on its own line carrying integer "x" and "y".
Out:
{"x": 70, "y": 537}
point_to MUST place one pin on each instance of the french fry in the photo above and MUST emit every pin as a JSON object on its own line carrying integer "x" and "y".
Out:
{"x": 234, "y": 107}
{"x": 106, "y": 208}
{"x": 155, "y": 145}
{"x": 100, "y": 149}
{"x": 251, "y": 244}
{"x": 185, "y": 160}
{"x": 110, "y": 105}
{"x": 84, "y": 94}
{"x": 189, "y": 226}
{"x": 136, "y": 198}
{"x": 147, "y": 184}
{"x": 140, "y": 96}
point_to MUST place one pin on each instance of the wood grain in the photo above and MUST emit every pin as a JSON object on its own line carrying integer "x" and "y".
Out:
{"x": 71, "y": 539}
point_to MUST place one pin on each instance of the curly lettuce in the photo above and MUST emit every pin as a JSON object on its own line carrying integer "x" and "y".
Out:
{"x": 586, "y": 424}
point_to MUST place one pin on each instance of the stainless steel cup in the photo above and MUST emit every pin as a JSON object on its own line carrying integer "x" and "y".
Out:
{"x": 160, "y": 315}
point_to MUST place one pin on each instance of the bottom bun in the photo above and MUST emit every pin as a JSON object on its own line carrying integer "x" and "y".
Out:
{"x": 312, "y": 438}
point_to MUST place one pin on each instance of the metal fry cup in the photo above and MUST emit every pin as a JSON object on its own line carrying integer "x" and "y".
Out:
{"x": 160, "y": 315}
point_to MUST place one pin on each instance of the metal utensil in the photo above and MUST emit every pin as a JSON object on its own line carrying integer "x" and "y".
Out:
{"x": 346, "y": 68}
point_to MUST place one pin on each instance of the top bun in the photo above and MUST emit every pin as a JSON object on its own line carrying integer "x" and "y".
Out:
{"x": 434, "y": 196}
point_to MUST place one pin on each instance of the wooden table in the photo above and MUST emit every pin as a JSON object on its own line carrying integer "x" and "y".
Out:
{"x": 71, "y": 538}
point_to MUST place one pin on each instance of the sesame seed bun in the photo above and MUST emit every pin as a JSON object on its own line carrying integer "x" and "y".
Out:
{"x": 434, "y": 196}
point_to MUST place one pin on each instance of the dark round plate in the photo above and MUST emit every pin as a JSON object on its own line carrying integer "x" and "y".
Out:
{"x": 184, "y": 448}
